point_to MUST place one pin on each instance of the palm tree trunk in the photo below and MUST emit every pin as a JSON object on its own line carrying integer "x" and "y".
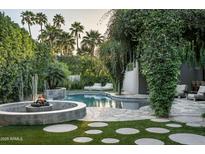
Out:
{"x": 77, "y": 42}
{"x": 41, "y": 28}
{"x": 41, "y": 31}
{"x": 29, "y": 28}
{"x": 93, "y": 51}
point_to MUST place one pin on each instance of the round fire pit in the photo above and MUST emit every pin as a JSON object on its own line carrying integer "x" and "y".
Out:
{"x": 62, "y": 111}
{"x": 30, "y": 108}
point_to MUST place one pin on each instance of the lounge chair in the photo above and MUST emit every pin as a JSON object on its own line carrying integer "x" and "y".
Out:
{"x": 200, "y": 95}
{"x": 96, "y": 86}
{"x": 108, "y": 86}
{"x": 181, "y": 91}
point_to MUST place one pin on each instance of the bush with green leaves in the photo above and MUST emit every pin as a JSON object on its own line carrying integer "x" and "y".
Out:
{"x": 90, "y": 69}
{"x": 56, "y": 75}
{"x": 16, "y": 49}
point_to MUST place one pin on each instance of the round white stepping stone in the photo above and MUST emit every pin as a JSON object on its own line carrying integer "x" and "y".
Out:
{"x": 187, "y": 138}
{"x": 157, "y": 130}
{"x": 160, "y": 120}
{"x": 127, "y": 131}
{"x": 93, "y": 131}
{"x": 148, "y": 141}
{"x": 174, "y": 125}
{"x": 194, "y": 124}
{"x": 98, "y": 124}
{"x": 110, "y": 140}
{"x": 82, "y": 139}
{"x": 60, "y": 128}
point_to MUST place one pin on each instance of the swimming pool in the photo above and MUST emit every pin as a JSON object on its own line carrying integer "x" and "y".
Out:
{"x": 97, "y": 100}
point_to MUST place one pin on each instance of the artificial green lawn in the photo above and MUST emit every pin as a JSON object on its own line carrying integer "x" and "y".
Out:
{"x": 36, "y": 135}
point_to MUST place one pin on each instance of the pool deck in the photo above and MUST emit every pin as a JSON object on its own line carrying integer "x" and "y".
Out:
{"x": 182, "y": 110}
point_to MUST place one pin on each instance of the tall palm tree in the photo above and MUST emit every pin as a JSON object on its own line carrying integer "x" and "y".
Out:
{"x": 58, "y": 20}
{"x": 69, "y": 43}
{"x": 50, "y": 35}
{"x": 41, "y": 19}
{"x": 76, "y": 29}
{"x": 29, "y": 18}
{"x": 91, "y": 40}
{"x": 65, "y": 43}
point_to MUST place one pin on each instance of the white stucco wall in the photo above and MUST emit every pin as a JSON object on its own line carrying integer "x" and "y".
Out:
{"x": 131, "y": 81}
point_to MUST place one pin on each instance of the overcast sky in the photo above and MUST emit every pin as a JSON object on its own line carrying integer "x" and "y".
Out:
{"x": 91, "y": 19}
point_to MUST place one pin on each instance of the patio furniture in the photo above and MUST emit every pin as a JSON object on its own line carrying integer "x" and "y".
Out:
{"x": 108, "y": 86}
{"x": 196, "y": 84}
{"x": 200, "y": 95}
{"x": 96, "y": 86}
{"x": 181, "y": 90}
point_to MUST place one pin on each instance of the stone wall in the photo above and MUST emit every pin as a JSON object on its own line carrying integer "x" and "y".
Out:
{"x": 55, "y": 94}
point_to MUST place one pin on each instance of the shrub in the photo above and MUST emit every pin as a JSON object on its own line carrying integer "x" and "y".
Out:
{"x": 203, "y": 115}
{"x": 16, "y": 49}
{"x": 89, "y": 68}
{"x": 76, "y": 85}
{"x": 56, "y": 75}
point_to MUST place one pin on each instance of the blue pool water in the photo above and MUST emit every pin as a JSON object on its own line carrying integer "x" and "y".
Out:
{"x": 104, "y": 101}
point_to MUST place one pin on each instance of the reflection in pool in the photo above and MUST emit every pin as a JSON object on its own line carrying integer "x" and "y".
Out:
{"x": 104, "y": 101}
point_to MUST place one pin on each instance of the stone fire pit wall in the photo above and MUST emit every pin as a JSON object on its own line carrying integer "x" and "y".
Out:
{"x": 55, "y": 94}
{"x": 15, "y": 113}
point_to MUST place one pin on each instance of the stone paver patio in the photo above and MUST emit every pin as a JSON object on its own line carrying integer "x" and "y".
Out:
{"x": 182, "y": 111}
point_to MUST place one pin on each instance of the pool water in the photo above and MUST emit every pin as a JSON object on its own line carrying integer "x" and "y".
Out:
{"x": 104, "y": 101}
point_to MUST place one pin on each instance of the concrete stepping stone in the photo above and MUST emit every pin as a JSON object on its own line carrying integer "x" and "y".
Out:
{"x": 93, "y": 131}
{"x": 98, "y": 124}
{"x": 187, "y": 119}
{"x": 82, "y": 139}
{"x": 173, "y": 125}
{"x": 60, "y": 128}
{"x": 127, "y": 131}
{"x": 192, "y": 124}
{"x": 149, "y": 141}
{"x": 157, "y": 130}
{"x": 188, "y": 138}
{"x": 160, "y": 120}
{"x": 110, "y": 140}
